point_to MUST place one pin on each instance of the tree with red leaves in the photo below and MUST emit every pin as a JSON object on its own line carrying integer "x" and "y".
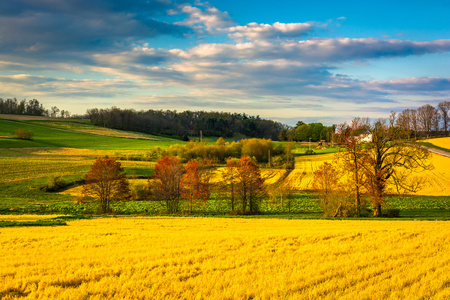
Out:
{"x": 250, "y": 185}
{"x": 106, "y": 181}
{"x": 167, "y": 187}
{"x": 194, "y": 185}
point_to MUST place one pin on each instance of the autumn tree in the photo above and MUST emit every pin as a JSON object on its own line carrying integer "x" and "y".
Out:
{"x": 107, "y": 182}
{"x": 229, "y": 181}
{"x": 351, "y": 137}
{"x": 327, "y": 183}
{"x": 195, "y": 184}
{"x": 167, "y": 184}
{"x": 249, "y": 185}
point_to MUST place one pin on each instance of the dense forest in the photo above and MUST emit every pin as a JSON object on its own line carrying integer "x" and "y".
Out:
{"x": 187, "y": 123}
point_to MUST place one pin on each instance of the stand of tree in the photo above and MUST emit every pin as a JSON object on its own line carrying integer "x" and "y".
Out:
{"x": 188, "y": 123}
{"x": 303, "y": 132}
{"x": 22, "y": 107}
{"x": 424, "y": 121}
{"x": 12, "y": 106}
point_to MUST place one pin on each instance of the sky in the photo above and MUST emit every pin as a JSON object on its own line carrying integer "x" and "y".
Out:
{"x": 314, "y": 61}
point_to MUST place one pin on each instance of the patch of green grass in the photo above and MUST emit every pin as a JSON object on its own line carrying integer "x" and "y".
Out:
{"x": 58, "y": 221}
{"x": 139, "y": 171}
{"x": 419, "y": 203}
{"x": 49, "y": 222}
{"x": 299, "y": 151}
{"x": 57, "y": 138}
{"x": 430, "y": 145}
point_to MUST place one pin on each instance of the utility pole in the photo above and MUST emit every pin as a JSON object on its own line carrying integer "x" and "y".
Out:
{"x": 201, "y": 136}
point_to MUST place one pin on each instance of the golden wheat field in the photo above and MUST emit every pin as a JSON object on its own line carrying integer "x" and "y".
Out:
{"x": 434, "y": 182}
{"x": 440, "y": 142}
{"x": 219, "y": 258}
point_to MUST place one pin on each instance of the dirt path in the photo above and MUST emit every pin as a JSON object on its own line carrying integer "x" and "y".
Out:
{"x": 437, "y": 151}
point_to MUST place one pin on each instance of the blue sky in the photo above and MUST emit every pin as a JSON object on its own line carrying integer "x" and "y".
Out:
{"x": 321, "y": 61}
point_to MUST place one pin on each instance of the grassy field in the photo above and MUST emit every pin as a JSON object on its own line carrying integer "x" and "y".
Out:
{"x": 199, "y": 258}
{"x": 71, "y": 138}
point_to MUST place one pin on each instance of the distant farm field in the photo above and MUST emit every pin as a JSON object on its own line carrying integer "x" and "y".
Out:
{"x": 217, "y": 258}
{"x": 69, "y": 137}
{"x": 440, "y": 142}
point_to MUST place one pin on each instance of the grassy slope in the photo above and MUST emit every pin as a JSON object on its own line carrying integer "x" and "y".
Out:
{"x": 57, "y": 138}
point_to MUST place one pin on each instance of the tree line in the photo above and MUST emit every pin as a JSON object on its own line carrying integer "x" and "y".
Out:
{"x": 424, "y": 121}
{"x": 12, "y": 106}
{"x": 22, "y": 107}
{"x": 173, "y": 183}
{"x": 187, "y": 123}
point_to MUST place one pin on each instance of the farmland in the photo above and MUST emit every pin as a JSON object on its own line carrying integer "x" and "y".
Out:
{"x": 54, "y": 248}
{"x": 186, "y": 258}
{"x": 28, "y": 167}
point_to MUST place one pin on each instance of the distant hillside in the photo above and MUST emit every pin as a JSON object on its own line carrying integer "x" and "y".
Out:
{"x": 69, "y": 134}
{"x": 188, "y": 123}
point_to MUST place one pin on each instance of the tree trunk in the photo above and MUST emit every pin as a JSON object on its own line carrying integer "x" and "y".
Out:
{"x": 377, "y": 210}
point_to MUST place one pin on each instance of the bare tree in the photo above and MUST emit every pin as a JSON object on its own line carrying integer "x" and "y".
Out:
{"x": 427, "y": 115}
{"x": 444, "y": 108}
{"x": 390, "y": 157}
{"x": 407, "y": 121}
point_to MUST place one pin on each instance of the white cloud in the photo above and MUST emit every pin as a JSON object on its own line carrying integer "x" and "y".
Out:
{"x": 210, "y": 18}
{"x": 254, "y": 31}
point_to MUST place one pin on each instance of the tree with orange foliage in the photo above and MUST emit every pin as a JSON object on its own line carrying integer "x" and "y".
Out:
{"x": 194, "y": 185}
{"x": 229, "y": 181}
{"x": 249, "y": 184}
{"x": 168, "y": 173}
{"x": 350, "y": 136}
{"x": 106, "y": 181}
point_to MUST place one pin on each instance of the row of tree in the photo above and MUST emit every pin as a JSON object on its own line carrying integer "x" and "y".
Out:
{"x": 173, "y": 183}
{"x": 261, "y": 150}
{"x": 425, "y": 120}
{"x": 22, "y": 107}
{"x": 12, "y": 106}
{"x": 187, "y": 123}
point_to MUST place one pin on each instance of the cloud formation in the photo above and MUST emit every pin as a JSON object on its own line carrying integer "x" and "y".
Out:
{"x": 34, "y": 28}
{"x": 275, "y": 68}
{"x": 255, "y": 31}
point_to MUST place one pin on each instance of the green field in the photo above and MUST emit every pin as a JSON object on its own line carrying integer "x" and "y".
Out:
{"x": 58, "y": 138}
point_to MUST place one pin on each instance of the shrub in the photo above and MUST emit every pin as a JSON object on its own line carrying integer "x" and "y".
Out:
{"x": 392, "y": 213}
{"x": 54, "y": 184}
{"x": 24, "y": 134}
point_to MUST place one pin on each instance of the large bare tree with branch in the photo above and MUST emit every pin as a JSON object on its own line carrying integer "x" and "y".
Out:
{"x": 388, "y": 157}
